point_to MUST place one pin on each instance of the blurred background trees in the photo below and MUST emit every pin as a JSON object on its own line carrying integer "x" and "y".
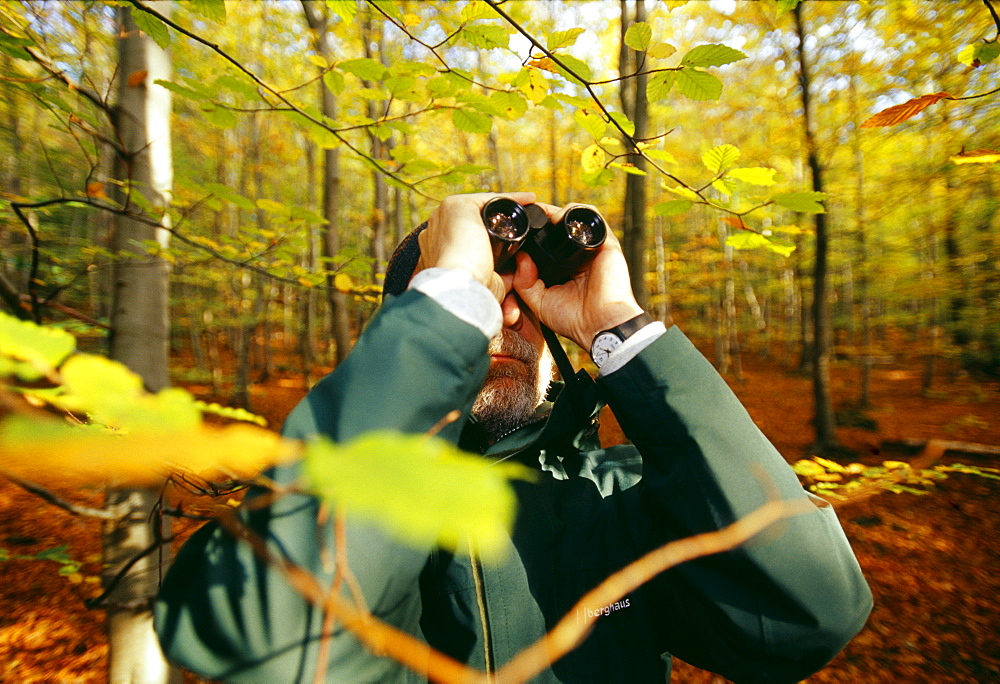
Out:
{"x": 309, "y": 136}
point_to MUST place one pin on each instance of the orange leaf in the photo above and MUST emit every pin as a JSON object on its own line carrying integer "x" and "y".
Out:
{"x": 136, "y": 79}
{"x": 901, "y": 112}
{"x": 736, "y": 222}
{"x": 545, "y": 63}
{"x": 96, "y": 189}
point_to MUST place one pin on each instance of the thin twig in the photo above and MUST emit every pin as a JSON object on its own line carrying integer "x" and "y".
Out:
{"x": 55, "y": 500}
{"x": 571, "y": 630}
{"x": 376, "y": 635}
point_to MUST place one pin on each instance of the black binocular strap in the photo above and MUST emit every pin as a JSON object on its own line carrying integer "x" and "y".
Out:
{"x": 559, "y": 354}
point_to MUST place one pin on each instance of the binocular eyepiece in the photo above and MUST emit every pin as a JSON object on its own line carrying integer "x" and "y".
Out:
{"x": 560, "y": 250}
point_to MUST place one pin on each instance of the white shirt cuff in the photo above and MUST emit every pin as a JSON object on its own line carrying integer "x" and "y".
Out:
{"x": 631, "y": 347}
{"x": 462, "y": 295}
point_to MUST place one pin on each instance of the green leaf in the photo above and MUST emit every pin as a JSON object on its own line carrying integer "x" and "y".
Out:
{"x": 803, "y": 202}
{"x": 591, "y": 122}
{"x": 786, "y": 6}
{"x": 624, "y": 122}
{"x": 486, "y": 36}
{"x": 345, "y": 9}
{"x": 698, "y": 85}
{"x": 563, "y": 39}
{"x": 672, "y": 207}
{"x": 638, "y": 36}
{"x": 471, "y": 121}
{"x": 365, "y": 68}
{"x": 113, "y": 396}
{"x": 660, "y": 155}
{"x": 246, "y": 88}
{"x": 577, "y": 66}
{"x": 39, "y": 348}
{"x": 334, "y": 81}
{"x": 659, "y": 85}
{"x": 220, "y": 117}
{"x": 390, "y": 8}
{"x": 509, "y": 104}
{"x": 14, "y": 45}
{"x": 476, "y": 10}
{"x": 978, "y": 54}
{"x": 757, "y": 175}
{"x": 403, "y": 88}
{"x": 213, "y": 10}
{"x": 720, "y": 158}
{"x": 152, "y": 27}
{"x": 711, "y": 56}
{"x": 271, "y": 206}
{"x": 183, "y": 90}
{"x": 423, "y": 491}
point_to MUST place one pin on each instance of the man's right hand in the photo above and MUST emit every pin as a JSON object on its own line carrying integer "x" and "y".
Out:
{"x": 456, "y": 238}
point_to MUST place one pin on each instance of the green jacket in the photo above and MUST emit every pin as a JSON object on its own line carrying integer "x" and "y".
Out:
{"x": 776, "y": 609}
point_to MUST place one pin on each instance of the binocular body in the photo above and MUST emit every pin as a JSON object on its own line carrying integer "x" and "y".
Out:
{"x": 560, "y": 250}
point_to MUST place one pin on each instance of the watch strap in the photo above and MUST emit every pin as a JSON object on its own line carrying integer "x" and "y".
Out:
{"x": 631, "y": 326}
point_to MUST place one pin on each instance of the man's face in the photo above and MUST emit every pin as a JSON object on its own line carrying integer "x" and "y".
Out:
{"x": 519, "y": 375}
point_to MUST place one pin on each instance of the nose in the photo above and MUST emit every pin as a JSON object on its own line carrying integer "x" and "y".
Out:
{"x": 512, "y": 314}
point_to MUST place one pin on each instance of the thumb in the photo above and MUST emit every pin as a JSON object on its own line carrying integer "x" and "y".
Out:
{"x": 526, "y": 282}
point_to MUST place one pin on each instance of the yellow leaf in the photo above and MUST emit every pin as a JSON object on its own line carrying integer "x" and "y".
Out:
{"x": 686, "y": 193}
{"x": 901, "y": 112}
{"x": 343, "y": 282}
{"x": 318, "y": 61}
{"x": 535, "y": 87}
{"x": 661, "y": 50}
{"x": 832, "y": 466}
{"x": 592, "y": 159}
{"x": 977, "y": 157}
{"x": 410, "y": 19}
{"x": 49, "y": 450}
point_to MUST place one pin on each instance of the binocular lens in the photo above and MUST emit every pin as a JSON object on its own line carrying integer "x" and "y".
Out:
{"x": 584, "y": 226}
{"x": 503, "y": 226}
{"x": 505, "y": 219}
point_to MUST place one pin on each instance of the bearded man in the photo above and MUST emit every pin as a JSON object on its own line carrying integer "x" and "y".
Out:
{"x": 455, "y": 334}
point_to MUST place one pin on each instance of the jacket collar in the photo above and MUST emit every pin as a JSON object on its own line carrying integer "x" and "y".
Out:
{"x": 570, "y": 425}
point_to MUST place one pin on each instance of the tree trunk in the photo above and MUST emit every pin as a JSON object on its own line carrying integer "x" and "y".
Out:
{"x": 318, "y": 20}
{"x": 139, "y": 339}
{"x": 636, "y": 107}
{"x": 825, "y": 425}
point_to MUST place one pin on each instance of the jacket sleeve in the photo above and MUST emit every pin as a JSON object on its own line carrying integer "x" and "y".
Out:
{"x": 225, "y": 614}
{"x": 779, "y": 607}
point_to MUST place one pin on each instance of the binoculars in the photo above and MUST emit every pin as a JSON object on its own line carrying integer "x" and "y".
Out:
{"x": 559, "y": 250}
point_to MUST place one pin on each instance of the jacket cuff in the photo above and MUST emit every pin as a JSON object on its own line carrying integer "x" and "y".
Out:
{"x": 461, "y": 295}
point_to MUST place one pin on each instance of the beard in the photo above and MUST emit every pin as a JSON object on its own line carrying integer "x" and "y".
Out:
{"x": 512, "y": 391}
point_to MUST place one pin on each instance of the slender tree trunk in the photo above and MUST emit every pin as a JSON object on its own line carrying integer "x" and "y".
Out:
{"x": 139, "y": 339}
{"x": 826, "y": 428}
{"x": 319, "y": 19}
{"x": 863, "y": 294}
{"x": 636, "y": 107}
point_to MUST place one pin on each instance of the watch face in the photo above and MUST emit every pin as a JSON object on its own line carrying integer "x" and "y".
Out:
{"x": 603, "y": 345}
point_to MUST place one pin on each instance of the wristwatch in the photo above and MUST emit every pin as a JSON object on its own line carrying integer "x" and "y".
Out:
{"x": 607, "y": 341}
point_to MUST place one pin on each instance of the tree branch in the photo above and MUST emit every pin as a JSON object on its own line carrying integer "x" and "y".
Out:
{"x": 57, "y": 501}
{"x": 277, "y": 94}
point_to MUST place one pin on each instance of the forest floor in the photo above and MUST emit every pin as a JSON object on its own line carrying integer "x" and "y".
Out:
{"x": 933, "y": 561}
